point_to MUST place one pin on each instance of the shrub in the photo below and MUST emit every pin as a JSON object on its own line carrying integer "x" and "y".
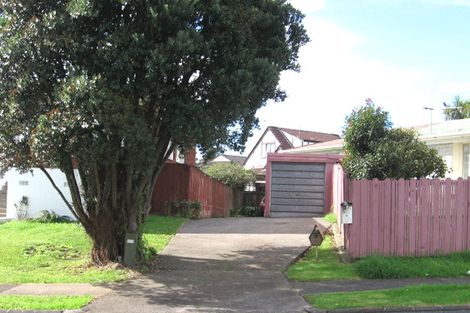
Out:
{"x": 248, "y": 211}
{"x": 46, "y": 216}
{"x": 184, "y": 208}
{"x": 22, "y": 208}
{"x": 375, "y": 150}
{"x": 231, "y": 174}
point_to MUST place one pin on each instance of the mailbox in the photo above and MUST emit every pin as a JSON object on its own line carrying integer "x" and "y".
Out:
{"x": 316, "y": 237}
{"x": 318, "y": 233}
{"x": 346, "y": 213}
{"x": 130, "y": 249}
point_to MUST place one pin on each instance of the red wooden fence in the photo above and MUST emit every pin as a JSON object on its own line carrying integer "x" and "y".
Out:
{"x": 183, "y": 182}
{"x": 216, "y": 198}
{"x": 409, "y": 218}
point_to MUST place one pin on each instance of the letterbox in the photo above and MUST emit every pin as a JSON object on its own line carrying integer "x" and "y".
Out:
{"x": 346, "y": 212}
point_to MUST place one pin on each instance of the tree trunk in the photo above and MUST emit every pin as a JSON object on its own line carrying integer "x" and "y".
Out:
{"x": 110, "y": 200}
{"x": 108, "y": 235}
{"x": 115, "y": 205}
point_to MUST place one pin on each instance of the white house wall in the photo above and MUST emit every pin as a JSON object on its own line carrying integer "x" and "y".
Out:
{"x": 256, "y": 160}
{"x": 220, "y": 159}
{"x": 38, "y": 190}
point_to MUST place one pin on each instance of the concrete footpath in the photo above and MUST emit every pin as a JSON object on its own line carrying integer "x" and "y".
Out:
{"x": 54, "y": 290}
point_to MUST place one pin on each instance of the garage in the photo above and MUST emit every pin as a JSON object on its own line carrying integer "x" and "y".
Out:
{"x": 298, "y": 185}
{"x": 297, "y": 189}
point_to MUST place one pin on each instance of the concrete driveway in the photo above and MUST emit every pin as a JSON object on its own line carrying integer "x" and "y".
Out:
{"x": 219, "y": 265}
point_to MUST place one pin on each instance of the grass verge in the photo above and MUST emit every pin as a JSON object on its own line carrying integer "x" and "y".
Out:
{"x": 329, "y": 267}
{"x": 43, "y": 302}
{"x": 413, "y": 296}
{"x": 452, "y": 265}
{"x": 326, "y": 267}
{"x": 33, "y": 252}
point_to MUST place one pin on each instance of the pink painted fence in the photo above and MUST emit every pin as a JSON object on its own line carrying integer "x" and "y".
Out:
{"x": 408, "y": 217}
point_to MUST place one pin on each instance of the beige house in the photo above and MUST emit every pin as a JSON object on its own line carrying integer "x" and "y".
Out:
{"x": 451, "y": 139}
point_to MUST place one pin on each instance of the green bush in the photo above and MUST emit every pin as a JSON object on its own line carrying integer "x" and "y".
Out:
{"x": 376, "y": 150}
{"x": 231, "y": 174}
{"x": 248, "y": 211}
{"x": 184, "y": 208}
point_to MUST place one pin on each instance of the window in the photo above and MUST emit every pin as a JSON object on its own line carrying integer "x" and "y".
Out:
{"x": 267, "y": 148}
{"x": 466, "y": 161}
{"x": 446, "y": 152}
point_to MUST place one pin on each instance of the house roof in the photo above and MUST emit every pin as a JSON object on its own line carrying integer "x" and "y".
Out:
{"x": 307, "y": 135}
{"x": 318, "y": 147}
{"x": 445, "y": 129}
{"x": 285, "y": 144}
{"x": 235, "y": 158}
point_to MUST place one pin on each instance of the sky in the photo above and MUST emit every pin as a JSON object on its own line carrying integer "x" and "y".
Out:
{"x": 403, "y": 54}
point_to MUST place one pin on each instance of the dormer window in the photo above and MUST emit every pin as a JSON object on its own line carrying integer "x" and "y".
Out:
{"x": 267, "y": 148}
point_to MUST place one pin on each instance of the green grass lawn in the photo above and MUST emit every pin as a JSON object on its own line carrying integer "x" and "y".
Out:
{"x": 43, "y": 302}
{"x": 329, "y": 267}
{"x": 158, "y": 230}
{"x": 33, "y": 252}
{"x": 413, "y": 296}
{"x": 452, "y": 265}
{"x": 326, "y": 267}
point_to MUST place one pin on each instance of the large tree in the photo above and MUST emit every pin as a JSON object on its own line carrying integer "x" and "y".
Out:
{"x": 458, "y": 110}
{"x": 106, "y": 89}
{"x": 376, "y": 150}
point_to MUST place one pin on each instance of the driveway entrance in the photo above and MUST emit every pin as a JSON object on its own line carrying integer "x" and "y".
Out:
{"x": 219, "y": 265}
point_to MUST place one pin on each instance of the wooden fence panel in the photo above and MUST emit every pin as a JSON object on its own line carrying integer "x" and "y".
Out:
{"x": 412, "y": 220}
{"x": 183, "y": 182}
{"x": 409, "y": 217}
{"x": 216, "y": 198}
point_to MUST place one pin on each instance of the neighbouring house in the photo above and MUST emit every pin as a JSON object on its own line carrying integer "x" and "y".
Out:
{"x": 228, "y": 158}
{"x": 451, "y": 139}
{"x": 276, "y": 139}
{"x": 29, "y": 193}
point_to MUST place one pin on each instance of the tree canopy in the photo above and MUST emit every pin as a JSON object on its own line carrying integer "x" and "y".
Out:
{"x": 376, "y": 150}
{"x": 458, "y": 110}
{"x": 105, "y": 89}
